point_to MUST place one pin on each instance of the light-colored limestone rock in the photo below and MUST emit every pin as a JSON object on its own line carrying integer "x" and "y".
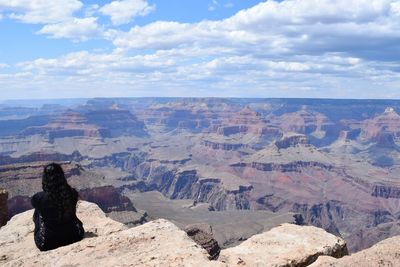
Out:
{"x": 286, "y": 245}
{"x": 107, "y": 243}
{"x": 384, "y": 253}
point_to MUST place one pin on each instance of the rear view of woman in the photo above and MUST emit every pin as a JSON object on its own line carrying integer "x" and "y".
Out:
{"x": 55, "y": 218}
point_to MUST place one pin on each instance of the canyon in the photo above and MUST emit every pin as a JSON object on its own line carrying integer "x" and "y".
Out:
{"x": 242, "y": 166}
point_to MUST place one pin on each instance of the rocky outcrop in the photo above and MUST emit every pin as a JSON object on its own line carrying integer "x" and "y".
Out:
{"x": 161, "y": 243}
{"x": 323, "y": 215}
{"x": 385, "y": 139}
{"x": 371, "y": 129}
{"x": 115, "y": 122}
{"x": 384, "y": 253}
{"x": 114, "y": 204}
{"x": 304, "y": 121}
{"x": 187, "y": 184}
{"x": 108, "y": 198}
{"x": 107, "y": 243}
{"x": 295, "y": 166}
{"x": 230, "y": 130}
{"x": 286, "y": 245}
{"x": 201, "y": 233}
{"x": 66, "y": 124}
{"x": 109, "y": 122}
{"x": 14, "y": 127}
{"x": 386, "y": 191}
{"x": 223, "y": 146}
{"x": 291, "y": 140}
{"x": 3, "y": 207}
{"x": 31, "y": 166}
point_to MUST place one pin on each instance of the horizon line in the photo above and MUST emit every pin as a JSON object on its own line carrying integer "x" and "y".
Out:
{"x": 195, "y": 97}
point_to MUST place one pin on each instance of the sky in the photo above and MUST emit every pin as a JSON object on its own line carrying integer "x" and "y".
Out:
{"x": 200, "y": 48}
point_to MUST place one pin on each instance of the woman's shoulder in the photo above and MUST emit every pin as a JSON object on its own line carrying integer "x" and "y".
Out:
{"x": 37, "y": 199}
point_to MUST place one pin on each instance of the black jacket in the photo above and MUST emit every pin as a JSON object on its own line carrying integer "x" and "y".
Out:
{"x": 50, "y": 231}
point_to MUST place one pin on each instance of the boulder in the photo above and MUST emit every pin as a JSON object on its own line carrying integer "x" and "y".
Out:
{"x": 384, "y": 253}
{"x": 286, "y": 245}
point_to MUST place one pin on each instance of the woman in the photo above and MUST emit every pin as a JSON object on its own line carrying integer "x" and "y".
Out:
{"x": 55, "y": 220}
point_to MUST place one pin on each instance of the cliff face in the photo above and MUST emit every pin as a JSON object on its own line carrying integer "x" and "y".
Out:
{"x": 3, "y": 207}
{"x": 189, "y": 185}
{"x": 334, "y": 162}
{"x": 160, "y": 243}
{"x": 110, "y": 122}
{"x": 108, "y": 199}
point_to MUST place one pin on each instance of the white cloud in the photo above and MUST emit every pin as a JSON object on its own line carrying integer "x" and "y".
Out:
{"x": 302, "y": 48}
{"x": 40, "y": 11}
{"x": 124, "y": 11}
{"x": 75, "y": 29}
{"x": 192, "y": 72}
{"x": 357, "y": 27}
{"x": 58, "y": 16}
{"x": 4, "y": 65}
{"x": 311, "y": 11}
{"x": 97, "y": 64}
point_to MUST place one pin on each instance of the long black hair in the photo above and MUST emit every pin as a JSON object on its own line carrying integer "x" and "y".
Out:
{"x": 63, "y": 196}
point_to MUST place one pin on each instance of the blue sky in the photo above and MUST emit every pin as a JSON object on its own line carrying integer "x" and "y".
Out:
{"x": 221, "y": 48}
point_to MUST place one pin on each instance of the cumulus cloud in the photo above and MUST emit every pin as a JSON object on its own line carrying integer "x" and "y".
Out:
{"x": 302, "y": 48}
{"x": 58, "y": 16}
{"x": 75, "y": 29}
{"x": 124, "y": 11}
{"x": 40, "y": 11}
{"x": 3, "y": 65}
{"x": 169, "y": 70}
{"x": 86, "y": 63}
{"x": 356, "y": 27}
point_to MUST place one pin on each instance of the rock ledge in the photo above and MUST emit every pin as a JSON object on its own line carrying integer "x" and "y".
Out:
{"x": 161, "y": 243}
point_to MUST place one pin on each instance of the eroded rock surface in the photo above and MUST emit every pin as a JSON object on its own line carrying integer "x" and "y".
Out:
{"x": 286, "y": 245}
{"x": 202, "y": 234}
{"x": 107, "y": 243}
{"x": 384, "y": 253}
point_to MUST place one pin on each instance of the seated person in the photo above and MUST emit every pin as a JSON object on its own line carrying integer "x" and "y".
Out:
{"x": 55, "y": 218}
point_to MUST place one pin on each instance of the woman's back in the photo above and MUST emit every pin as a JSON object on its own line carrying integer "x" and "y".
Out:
{"x": 55, "y": 220}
